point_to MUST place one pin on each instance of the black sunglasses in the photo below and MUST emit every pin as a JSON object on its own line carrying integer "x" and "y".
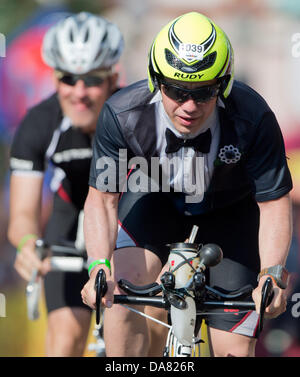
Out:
{"x": 88, "y": 80}
{"x": 199, "y": 95}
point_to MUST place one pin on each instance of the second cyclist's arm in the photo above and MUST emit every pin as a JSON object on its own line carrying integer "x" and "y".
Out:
{"x": 24, "y": 222}
{"x": 25, "y": 206}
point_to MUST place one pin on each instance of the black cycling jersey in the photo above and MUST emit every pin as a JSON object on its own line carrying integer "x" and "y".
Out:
{"x": 44, "y": 136}
{"x": 250, "y": 159}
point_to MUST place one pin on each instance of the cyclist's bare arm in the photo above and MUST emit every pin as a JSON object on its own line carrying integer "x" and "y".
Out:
{"x": 100, "y": 233}
{"x": 24, "y": 218}
{"x": 275, "y": 233}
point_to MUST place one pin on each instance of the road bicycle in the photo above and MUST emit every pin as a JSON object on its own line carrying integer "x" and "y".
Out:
{"x": 183, "y": 292}
{"x": 66, "y": 258}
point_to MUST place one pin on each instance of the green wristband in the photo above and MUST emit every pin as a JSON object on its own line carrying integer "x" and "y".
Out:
{"x": 24, "y": 239}
{"x": 98, "y": 261}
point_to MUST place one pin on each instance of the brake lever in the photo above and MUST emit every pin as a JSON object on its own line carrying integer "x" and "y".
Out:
{"x": 33, "y": 291}
{"x": 33, "y": 288}
{"x": 101, "y": 289}
{"x": 267, "y": 295}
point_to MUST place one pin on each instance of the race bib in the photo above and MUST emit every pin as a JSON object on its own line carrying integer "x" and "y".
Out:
{"x": 190, "y": 51}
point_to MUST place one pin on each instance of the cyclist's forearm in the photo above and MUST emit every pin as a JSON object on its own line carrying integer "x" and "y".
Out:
{"x": 20, "y": 225}
{"x": 275, "y": 231}
{"x": 24, "y": 207}
{"x": 100, "y": 224}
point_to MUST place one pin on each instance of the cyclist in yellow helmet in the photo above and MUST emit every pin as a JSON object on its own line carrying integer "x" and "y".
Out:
{"x": 192, "y": 57}
{"x": 199, "y": 148}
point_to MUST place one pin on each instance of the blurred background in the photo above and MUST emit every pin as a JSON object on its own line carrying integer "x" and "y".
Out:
{"x": 265, "y": 35}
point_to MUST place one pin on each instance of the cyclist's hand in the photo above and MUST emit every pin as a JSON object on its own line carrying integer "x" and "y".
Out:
{"x": 88, "y": 293}
{"x": 27, "y": 261}
{"x": 279, "y": 301}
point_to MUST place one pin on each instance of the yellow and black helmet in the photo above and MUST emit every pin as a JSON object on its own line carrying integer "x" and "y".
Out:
{"x": 191, "y": 48}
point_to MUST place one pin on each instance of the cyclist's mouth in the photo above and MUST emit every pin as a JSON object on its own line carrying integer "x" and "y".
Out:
{"x": 81, "y": 106}
{"x": 187, "y": 121}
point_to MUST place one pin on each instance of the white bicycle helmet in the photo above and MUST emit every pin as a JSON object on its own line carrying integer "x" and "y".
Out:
{"x": 81, "y": 43}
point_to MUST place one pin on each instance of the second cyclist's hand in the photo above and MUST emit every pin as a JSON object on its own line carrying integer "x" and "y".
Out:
{"x": 88, "y": 292}
{"x": 27, "y": 261}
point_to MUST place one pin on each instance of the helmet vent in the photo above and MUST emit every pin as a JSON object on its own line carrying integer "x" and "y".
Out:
{"x": 87, "y": 34}
{"x": 71, "y": 36}
{"x": 176, "y": 63}
{"x": 104, "y": 37}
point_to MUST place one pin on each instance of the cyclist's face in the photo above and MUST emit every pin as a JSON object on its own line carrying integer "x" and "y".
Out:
{"x": 188, "y": 116}
{"x": 82, "y": 103}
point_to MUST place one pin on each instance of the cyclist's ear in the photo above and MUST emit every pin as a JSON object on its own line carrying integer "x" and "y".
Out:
{"x": 55, "y": 79}
{"x": 114, "y": 81}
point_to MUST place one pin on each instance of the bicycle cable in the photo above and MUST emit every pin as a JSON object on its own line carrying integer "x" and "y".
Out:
{"x": 146, "y": 315}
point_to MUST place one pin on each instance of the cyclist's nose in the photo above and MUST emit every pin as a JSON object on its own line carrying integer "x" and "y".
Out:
{"x": 190, "y": 105}
{"x": 80, "y": 90}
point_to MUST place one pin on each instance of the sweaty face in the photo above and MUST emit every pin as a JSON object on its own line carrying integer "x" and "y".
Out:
{"x": 188, "y": 116}
{"x": 82, "y": 103}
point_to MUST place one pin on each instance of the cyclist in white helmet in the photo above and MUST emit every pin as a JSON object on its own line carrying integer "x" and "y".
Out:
{"x": 83, "y": 50}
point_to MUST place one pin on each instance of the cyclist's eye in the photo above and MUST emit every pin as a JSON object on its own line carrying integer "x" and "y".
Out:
{"x": 68, "y": 79}
{"x": 93, "y": 81}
